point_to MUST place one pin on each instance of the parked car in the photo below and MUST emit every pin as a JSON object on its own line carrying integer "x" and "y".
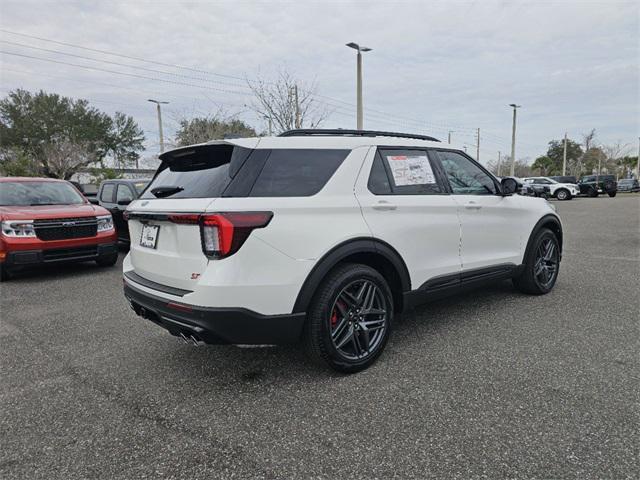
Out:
{"x": 564, "y": 179}
{"x": 48, "y": 221}
{"x": 115, "y": 195}
{"x": 628, "y": 185}
{"x": 593, "y": 185}
{"x": 561, "y": 191}
{"x": 324, "y": 236}
{"x": 532, "y": 190}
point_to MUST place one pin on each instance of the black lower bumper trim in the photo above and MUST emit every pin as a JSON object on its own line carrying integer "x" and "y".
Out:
{"x": 217, "y": 325}
{"x": 26, "y": 258}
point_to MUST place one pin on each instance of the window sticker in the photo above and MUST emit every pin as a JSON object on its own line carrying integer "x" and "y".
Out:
{"x": 411, "y": 170}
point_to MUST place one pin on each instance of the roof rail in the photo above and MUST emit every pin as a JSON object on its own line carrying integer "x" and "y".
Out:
{"x": 303, "y": 132}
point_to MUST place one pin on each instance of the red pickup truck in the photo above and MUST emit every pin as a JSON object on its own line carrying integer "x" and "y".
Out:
{"x": 45, "y": 221}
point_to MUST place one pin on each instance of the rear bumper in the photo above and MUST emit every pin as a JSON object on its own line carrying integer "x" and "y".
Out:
{"x": 26, "y": 258}
{"x": 216, "y": 325}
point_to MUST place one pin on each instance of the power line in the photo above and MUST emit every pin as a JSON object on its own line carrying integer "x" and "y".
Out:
{"x": 134, "y": 75}
{"x": 136, "y": 67}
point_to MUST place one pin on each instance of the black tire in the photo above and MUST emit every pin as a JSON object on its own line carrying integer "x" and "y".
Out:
{"x": 107, "y": 260}
{"x": 4, "y": 274}
{"x": 613, "y": 194}
{"x": 563, "y": 194}
{"x": 593, "y": 192}
{"x": 335, "y": 318}
{"x": 532, "y": 280}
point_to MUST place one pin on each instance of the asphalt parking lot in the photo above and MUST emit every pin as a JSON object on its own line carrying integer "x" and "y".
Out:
{"x": 494, "y": 384}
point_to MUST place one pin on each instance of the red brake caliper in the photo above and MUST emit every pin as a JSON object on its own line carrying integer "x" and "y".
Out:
{"x": 334, "y": 315}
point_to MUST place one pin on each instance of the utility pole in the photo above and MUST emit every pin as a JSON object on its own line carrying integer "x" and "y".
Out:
{"x": 564, "y": 156}
{"x": 158, "y": 103}
{"x": 498, "y": 163}
{"x": 449, "y": 140}
{"x": 268, "y": 119}
{"x": 359, "y": 118}
{"x": 478, "y": 146}
{"x": 638, "y": 162}
{"x": 295, "y": 93}
{"x": 513, "y": 139}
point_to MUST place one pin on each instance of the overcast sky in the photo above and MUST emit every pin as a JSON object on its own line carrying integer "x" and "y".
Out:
{"x": 435, "y": 66}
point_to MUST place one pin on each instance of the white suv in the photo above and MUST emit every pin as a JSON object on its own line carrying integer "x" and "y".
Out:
{"x": 322, "y": 236}
{"x": 561, "y": 191}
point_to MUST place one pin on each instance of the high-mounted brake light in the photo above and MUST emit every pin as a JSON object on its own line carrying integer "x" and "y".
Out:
{"x": 223, "y": 233}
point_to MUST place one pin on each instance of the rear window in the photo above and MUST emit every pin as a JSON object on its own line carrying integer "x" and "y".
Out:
{"x": 107, "y": 192}
{"x": 199, "y": 172}
{"x": 297, "y": 172}
{"x": 38, "y": 193}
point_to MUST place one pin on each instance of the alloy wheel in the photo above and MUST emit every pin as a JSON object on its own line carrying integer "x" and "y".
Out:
{"x": 545, "y": 267}
{"x": 359, "y": 319}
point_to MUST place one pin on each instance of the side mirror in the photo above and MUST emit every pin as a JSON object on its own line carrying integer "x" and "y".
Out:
{"x": 509, "y": 186}
{"x": 94, "y": 201}
{"x": 124, "y": 202}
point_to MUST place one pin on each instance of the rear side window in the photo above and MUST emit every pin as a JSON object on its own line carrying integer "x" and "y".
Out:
{"x": 410, "y": 172}
{"x": 107, "y": 192}
{"x": 198, "y": 172}
{"x": 297, "y": 172}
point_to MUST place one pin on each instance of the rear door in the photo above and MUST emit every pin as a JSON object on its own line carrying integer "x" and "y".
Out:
{"x": 406, "y": 204}
{"x": 491, "y": 233}
{"x": 124, "y": 196}
{"x": 188, "y": 181}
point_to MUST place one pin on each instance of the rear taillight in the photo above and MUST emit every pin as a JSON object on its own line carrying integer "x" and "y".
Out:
{"x": 223, "y": 234}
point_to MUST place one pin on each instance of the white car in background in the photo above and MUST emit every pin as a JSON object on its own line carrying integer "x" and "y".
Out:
{"x": 561, "y": 191}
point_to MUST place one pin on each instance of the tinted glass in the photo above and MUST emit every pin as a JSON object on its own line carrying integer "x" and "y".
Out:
{"x": 107, "y": 192}
{"x": 297, "y": 172}
{"x": 38, "y": 193}
{"x": 378, "y": 179}
{"x": 411, "y": 172}
{"x": 464, "y": 176}
{"x": 200, "y": 172}
{"x": 140, "y": 186}
{"x": 123, "y": 193}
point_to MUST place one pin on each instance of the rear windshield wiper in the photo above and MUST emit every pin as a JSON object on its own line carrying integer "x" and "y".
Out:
{"x": 162, "y": 192}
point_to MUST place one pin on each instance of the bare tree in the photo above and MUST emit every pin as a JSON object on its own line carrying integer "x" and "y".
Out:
{"x": 522, "y": 167}
{"x": 277, "y": 102}
{"x": 64, "y": 157}
{"x": 614, "y": 155}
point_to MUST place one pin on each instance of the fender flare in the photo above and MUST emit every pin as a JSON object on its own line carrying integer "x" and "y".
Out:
{"x": 337, "y": 254}
{"x": 545, "y": 222}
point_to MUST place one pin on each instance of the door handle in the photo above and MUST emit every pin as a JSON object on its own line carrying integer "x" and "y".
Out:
{"x": 472, "y": 206}
{"x": 384, "y": 205}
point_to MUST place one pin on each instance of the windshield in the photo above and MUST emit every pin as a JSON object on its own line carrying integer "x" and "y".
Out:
{"x": 23, "y": 194}
{"x": 140, "y": 186}
{"x": 551, "y": 180}
{"x": 626, "y": 180}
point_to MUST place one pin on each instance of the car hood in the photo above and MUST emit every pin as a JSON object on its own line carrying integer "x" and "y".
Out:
{"x": 51, "y": 211}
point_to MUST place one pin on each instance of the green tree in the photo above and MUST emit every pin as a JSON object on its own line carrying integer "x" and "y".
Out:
{"x": 43, "y": 125}
{"x": 203, "y": 129}
{"x": 544, "y": 165}
{"x": 555, "y": 153}
{"x": 125, "y": 141}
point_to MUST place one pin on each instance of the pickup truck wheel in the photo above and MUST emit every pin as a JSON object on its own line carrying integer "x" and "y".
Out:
{"x": 613, "y": 194}
{"x": 563, "y": 194}
{"x": 593, "y": 192}
{"x": 349, "y": 320}
{"x": 107, "y": 260}
{"x": 541, "y": 265}
{"x": 4, "y": 274}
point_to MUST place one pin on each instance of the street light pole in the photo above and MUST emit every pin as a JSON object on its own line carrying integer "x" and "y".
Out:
{"x": 638, "y": 162}
{"x": 158, "y": 103}
{"x": 359, "y": 49}
{"x": 449, "y": 137}
{"x": 564, "y": 156}
{"x": 513, "y": 139}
